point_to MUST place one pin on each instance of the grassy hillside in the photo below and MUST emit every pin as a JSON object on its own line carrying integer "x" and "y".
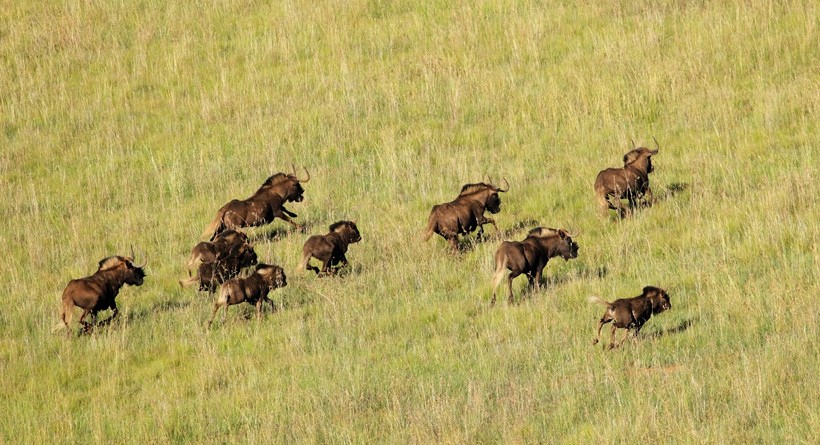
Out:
{"x": 131, "y": 123}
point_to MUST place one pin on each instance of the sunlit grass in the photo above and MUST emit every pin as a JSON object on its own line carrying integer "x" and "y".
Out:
{"x": 131, "y": 124}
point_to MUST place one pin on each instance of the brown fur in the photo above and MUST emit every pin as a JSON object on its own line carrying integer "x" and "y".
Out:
{"x": 330, "y": 249}
{"x": 262, "y": 207}
{"x": 211, "y": 274}
{"x": 220, "y": 247}
{"x": 630, "y": 182}
{"x": 631, "y": 313}
{"x": 464, "y": 214}
{"x": 530, "y": 256}
{"x": 252, "y": 289}
{"x": 98, "y": 292}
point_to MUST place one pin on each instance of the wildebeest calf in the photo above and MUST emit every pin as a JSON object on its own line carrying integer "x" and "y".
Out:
{"x": 531, "y": 256}
{"x": 330, "y": 249}
{"x": 98, "y": 291}
{"x": 252, "y": 289}
{"x": 631, "y": 313}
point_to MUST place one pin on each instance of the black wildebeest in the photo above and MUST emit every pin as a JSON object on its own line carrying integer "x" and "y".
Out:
{"x": 262, "y": 207}
{"x": 330, "y": 249}
{"x": 465, "y": 213}
{"x": 631, "y": 313}
{"x": 253, "y": 289}
{"x": 99, "y": 291}
{"x": 209, "y": 251}
{"x": 630, "y": 182}
{"x": 530, "y": 256}
{"x": 211, "y": 274}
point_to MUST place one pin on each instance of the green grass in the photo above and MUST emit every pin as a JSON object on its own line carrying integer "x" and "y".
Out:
{"x": 132, "y": 122}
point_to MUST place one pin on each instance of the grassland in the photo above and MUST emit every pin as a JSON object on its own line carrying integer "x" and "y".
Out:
{"x": 131, "y": 122}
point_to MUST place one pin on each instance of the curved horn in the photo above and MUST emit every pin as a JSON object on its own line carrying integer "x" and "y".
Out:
{"x": 505, "y": 182}
{"x": 303, "y": 181}
{"x": 657, "y": 145}
{"x": 574, "y": 233}
{"x": 133, "y": 258}
{"x": 632, "y": 141}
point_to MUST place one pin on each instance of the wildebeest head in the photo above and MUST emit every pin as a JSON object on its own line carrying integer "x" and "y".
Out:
{"x": 244, "y": 254}
{"x": 348, "y": 229}
{"x": 493, "y": 201}
{"x": 274, "y": 274}
{"x": 132, "y": 274}
{"x": 566, "y": 247}
{"x": 642, "y": 152}
{"x": 659, "y": 298}
{"x": 287, "y": 185}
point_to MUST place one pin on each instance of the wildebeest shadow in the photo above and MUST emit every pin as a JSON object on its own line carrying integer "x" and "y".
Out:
{"x": 683, "y": 326}
{"x": 671, "y": 191}
{"x": 162, "y": 306}
{"x": 277, "y": 233}
{"x": 519, "y": 226}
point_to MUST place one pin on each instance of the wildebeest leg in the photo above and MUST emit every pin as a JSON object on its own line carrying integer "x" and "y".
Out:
{"x": 483, "y": 220}
{"x": 283, "y": 214}
{"x": 612, "y": 337}
{"x": 601, "y": 324}
{"x": 259, "y": 308}
{"x": 626, "y": 335}
{"x": 509, "y": 288}
{"x": 272, "y": 306}
{"x": 289, "y": 213}
{"x": 325, "y": 268}
{"x": 213, "y": 315}
{"x": 82, "y": 319}
{"x": 114, "y": 313}
{"x": 539, "y": 271}
{"x": 453, "y": 240}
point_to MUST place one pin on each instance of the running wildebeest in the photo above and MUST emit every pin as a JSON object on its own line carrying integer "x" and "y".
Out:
{"x": 262, "y": 207}
{"x": 211, "y": 274}
{"x": 330, "y": 249}
{"x": 631, "y": 313}
{"x": 253, "y": 289}
{"x": 630, "y": 182}
{"x": 465, "y": 213}
{"x": 209, "y": 251}
{"x": 530, "y": 256}
{"x": 98, "y": 292}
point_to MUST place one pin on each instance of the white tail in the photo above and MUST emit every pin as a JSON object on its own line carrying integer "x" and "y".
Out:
{"x": 500, "y": 269}
{"x": 594, "y": 299}
{"x": 305, "y": 260}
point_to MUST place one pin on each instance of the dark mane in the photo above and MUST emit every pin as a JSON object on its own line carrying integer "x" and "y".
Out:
{"x": 473, "y": 188}
{"x": 275, "y": 179}
{"x": 111, "y": 262}
{"x": 338, "y": 224}
{"x": 542, "y": 232}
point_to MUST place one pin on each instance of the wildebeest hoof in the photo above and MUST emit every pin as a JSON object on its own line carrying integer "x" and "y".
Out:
{"x": 594, "y": 341}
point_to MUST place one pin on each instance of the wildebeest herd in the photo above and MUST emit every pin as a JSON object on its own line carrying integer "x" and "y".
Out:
{"x": 218, "y": 265}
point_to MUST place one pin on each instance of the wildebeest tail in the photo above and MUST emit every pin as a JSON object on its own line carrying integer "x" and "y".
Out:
{"x": 192, "y": 262}
{"x": 500, "y": 268}
{"x": 215, "y": 225}
{"x": 66, "y": 314}
{"x": 431, "y": 226}
{"x": 594, "y": 299}
{"x": 305, "y": 260}
{"x": 189, "y": 281}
